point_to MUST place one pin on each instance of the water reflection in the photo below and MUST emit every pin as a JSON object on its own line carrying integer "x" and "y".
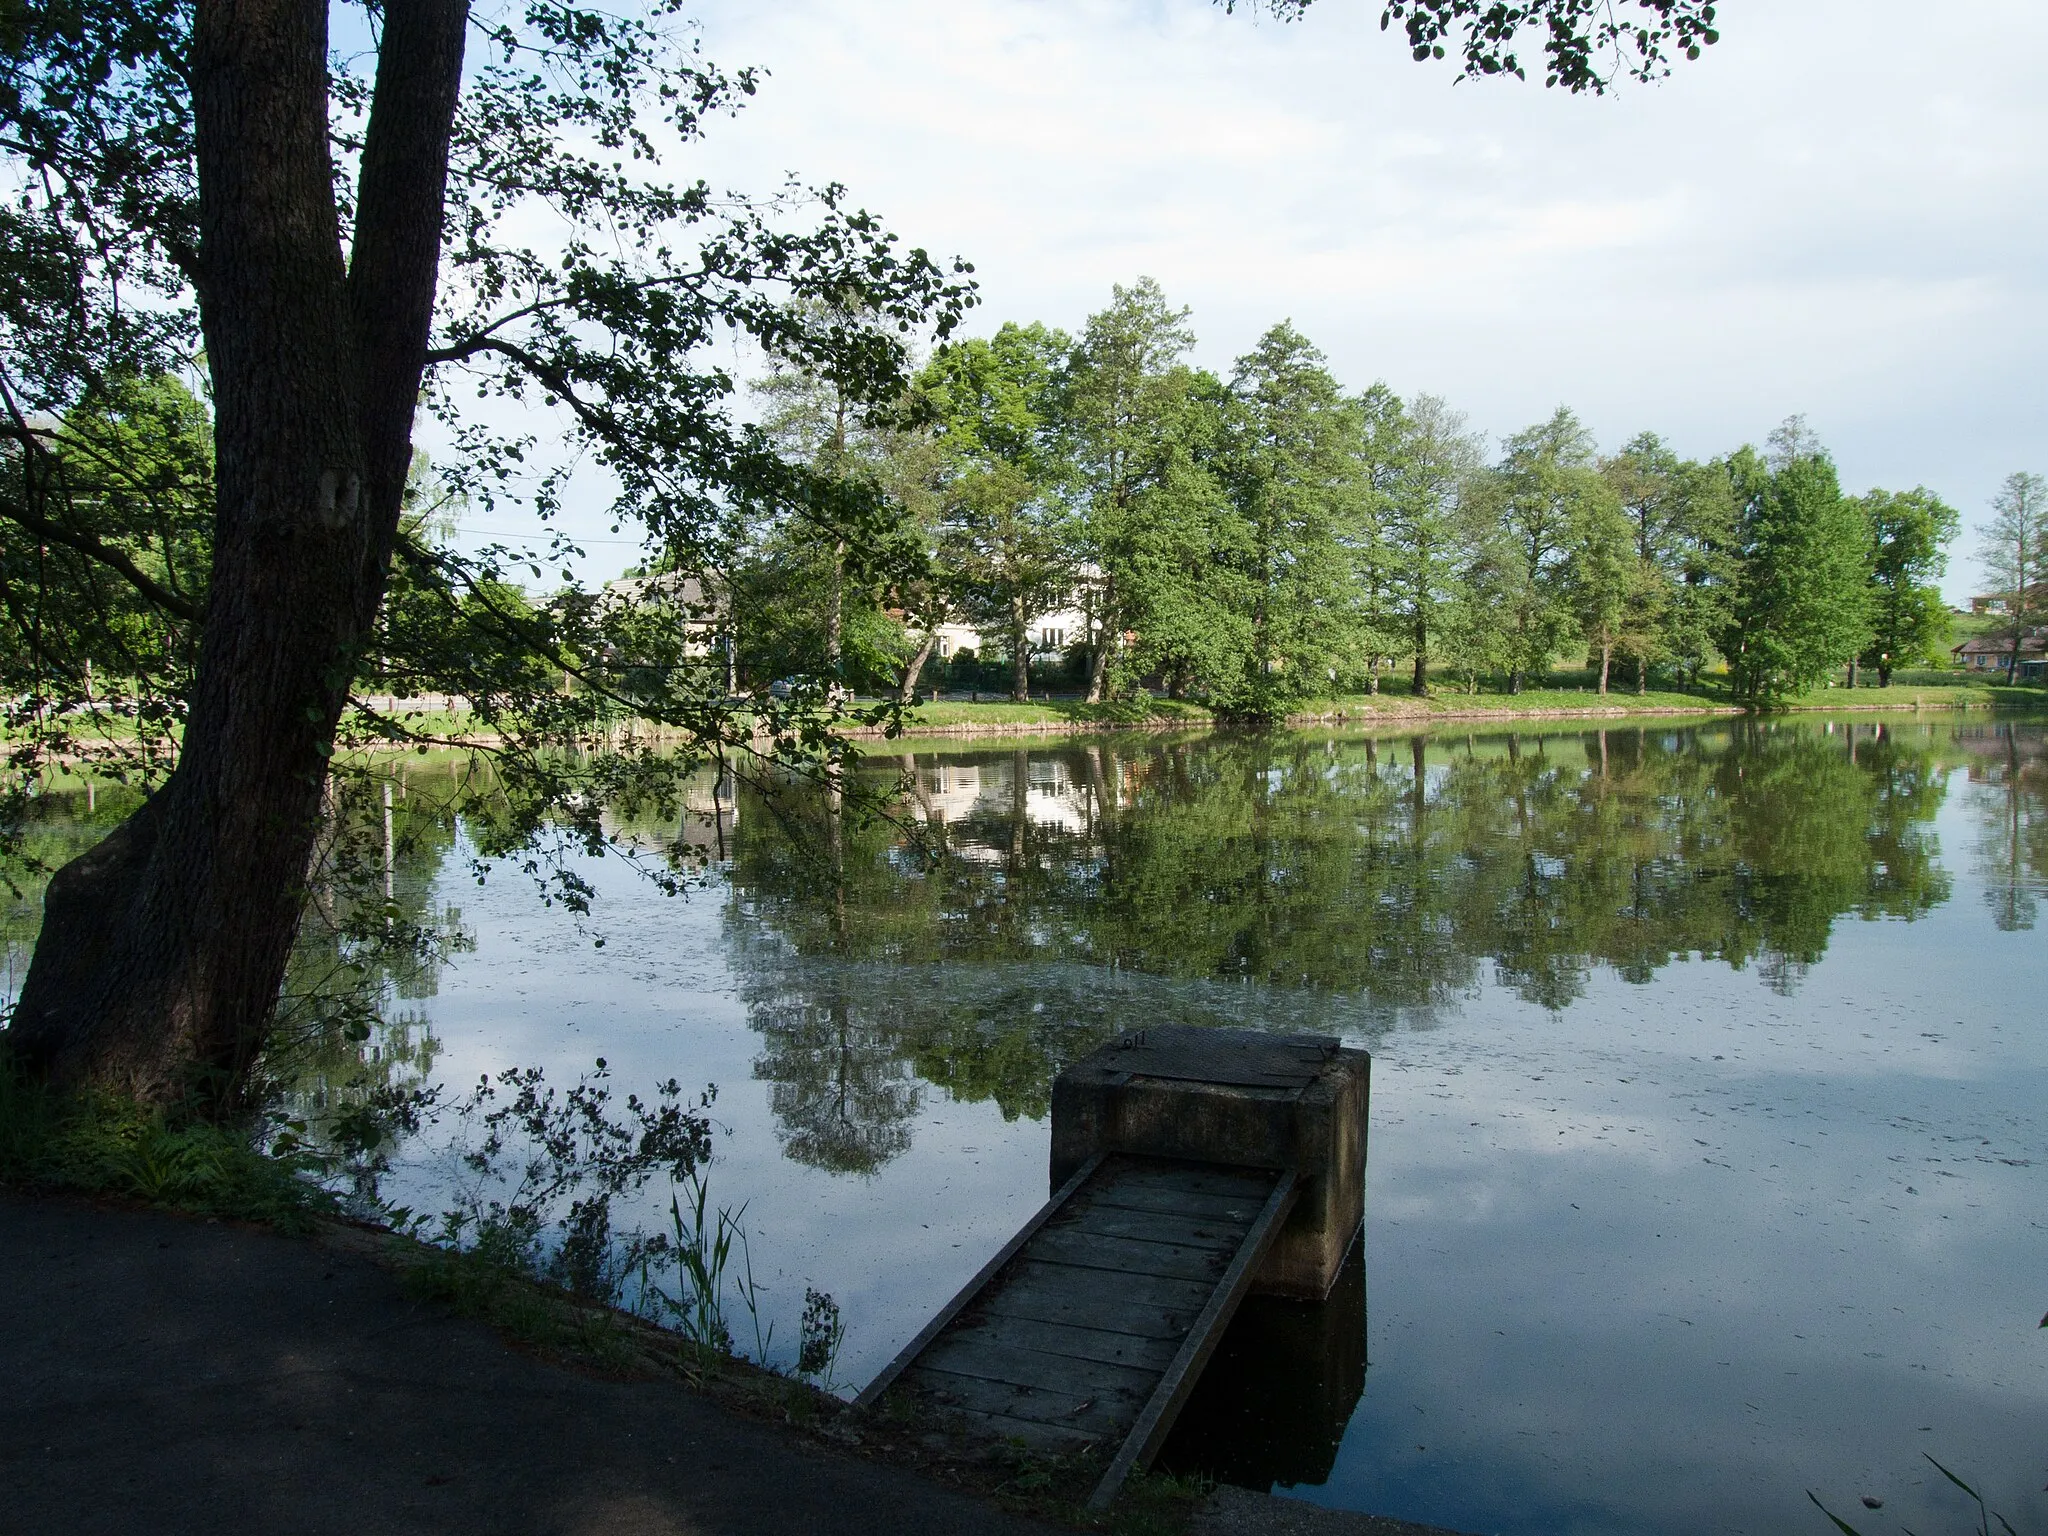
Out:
{"x": 2008, "y": 775}
{"x": 1688, "y": 1193}
{"x": 1377, "y": 878}
{"x": 1273, "y": 1404}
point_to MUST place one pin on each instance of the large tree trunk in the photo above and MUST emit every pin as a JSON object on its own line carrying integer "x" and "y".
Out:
{"x": 1020, "y": 652}
{"x": 1606, "y": 662}
{"x": 906, "y": 692}
{"x": 835, "y": 611}
{"x": 1418, "y": 684}
{"x": 1105, "y": 644}
{"x": 1098, "y": 670}
{"x": 162, "y": 949}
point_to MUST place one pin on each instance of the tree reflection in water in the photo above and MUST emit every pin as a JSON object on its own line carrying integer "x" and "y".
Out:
{"x": 1043, "y": 899}
{"x": 2009, "y": 789}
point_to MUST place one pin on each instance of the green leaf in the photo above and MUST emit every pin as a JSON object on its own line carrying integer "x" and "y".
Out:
{"x": 1840, "y": 1524}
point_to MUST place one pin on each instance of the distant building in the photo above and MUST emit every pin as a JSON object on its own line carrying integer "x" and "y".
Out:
{"x": 699, "y": 611}
{"x": 1994, "y": 653}
{"x": 2001, "y": 602}
{"x": 1048, "y": 635}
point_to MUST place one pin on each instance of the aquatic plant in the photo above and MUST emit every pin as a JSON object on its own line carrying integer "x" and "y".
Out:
{"x": 1985, "y": 1515}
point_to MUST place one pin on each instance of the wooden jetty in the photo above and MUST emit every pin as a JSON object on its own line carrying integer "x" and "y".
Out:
{"x": 1204, "y": 1171}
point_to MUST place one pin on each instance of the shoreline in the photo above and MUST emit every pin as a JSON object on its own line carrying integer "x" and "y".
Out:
{"x": 1404, "y": 714}
{"x": 1424, "y": 716}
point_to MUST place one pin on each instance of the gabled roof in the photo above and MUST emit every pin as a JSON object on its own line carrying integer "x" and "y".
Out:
{"x": 684, "y": 592}
{"x": 2033, "y": 642}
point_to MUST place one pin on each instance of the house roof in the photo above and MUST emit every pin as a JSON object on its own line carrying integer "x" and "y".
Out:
{"x": 685, "y": 592}
{"x": 2033, "y": 642}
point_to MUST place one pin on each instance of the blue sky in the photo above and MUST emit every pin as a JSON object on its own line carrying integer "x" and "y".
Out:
{"x": 1837, "y": 211}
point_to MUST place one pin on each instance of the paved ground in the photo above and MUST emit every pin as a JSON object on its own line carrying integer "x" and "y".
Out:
{"x": 161, "y": 1375}
{"x": 164, "y": 1375}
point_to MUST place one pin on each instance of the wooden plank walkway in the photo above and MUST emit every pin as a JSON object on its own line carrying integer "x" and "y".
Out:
{"x": 1091, "y": 1325}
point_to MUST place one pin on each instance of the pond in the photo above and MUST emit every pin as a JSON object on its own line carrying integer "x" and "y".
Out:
{"x": 1709, "y": 1122}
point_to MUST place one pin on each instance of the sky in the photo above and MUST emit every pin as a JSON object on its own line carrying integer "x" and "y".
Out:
{"x": 1835, "y": 212}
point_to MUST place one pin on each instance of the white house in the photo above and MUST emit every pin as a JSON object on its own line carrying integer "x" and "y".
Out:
{"x": 1050, "y": 634}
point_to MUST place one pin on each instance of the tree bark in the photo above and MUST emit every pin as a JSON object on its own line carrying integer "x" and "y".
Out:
{"x": 162, "y": 950}
{"x": 1606, "y": 661}
{"x": 1020, "y": 653}
{"x": 835, "y": 611}
{"x": 906, "y": 692}
{"x": 1419, "y": 683}
{"x": 1098, "y": 664}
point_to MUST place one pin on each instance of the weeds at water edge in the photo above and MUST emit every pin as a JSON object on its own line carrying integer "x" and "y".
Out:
{"x": 1985, "y": 1514}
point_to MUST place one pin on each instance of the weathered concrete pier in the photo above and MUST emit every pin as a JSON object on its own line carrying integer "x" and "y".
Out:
{"x": 1190, "y": 1167}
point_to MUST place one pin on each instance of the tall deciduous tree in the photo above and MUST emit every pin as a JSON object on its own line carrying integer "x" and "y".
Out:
{"x": 1703, "y": 559}
{"x": 1910, "y": 532}
{"x": 1291, "y": 471}
{"x": 1185, "y": 555}
{"x": 1606, "y": 582}
{"x": 826, "y": 569}
{"x": 209, "y": 171}
{"x": 1428, "y": 533}
{"x": 1644, "y": 478}
{"x": 1802, "y": 604}
{"x": 2013, "y": 548}
{"x": 1380, "y": 623}
{"x": 1125, "y": 388}
{"x": 1008, "y": 529}
{"x": 1543, "y": 486}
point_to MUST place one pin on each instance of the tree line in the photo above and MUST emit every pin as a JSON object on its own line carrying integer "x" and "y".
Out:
{"x": 1256, "y": 540}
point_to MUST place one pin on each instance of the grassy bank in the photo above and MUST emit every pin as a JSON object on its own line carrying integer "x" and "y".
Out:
{"x": 1530, "y": 703}
{"x": 1561, "y": 700}
{"x": 1052, "y": 716}
{"x": 1961, "y": 694}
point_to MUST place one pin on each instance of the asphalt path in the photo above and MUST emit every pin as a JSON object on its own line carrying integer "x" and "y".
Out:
{"x": 162, "y": 1375}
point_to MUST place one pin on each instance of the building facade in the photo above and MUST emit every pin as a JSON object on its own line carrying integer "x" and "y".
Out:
{"x": 1994, "y": 654}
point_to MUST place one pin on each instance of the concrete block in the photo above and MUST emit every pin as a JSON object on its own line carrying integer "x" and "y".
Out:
{"x": 1241, "y": 1099}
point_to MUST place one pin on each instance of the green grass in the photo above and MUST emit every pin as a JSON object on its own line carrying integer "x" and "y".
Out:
{"x": 950, "y": 715}
{"x": 529, "y": 1311}
{"x": 1454, "y": 701}
{"x": 1954, "y": 691}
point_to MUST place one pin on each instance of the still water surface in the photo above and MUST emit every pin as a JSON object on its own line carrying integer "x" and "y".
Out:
{"x": 1709, "y": 1124}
